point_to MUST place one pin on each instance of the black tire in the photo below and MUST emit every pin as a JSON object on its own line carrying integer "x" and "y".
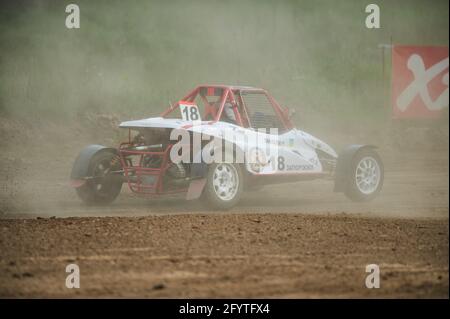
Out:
{"x": 211, "y": 193}
{"x": 357, "y": 193}
{"x": 103, "y": 188}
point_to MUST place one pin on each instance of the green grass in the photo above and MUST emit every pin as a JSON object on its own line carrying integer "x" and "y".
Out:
{"x": 133, "y": 57}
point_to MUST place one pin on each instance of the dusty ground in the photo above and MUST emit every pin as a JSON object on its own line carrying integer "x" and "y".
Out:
{"x": 206, "y": 255}
{"x": 296, "y": 240}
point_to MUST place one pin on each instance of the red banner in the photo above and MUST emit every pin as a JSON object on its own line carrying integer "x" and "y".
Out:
{"x": 419, "y": 81}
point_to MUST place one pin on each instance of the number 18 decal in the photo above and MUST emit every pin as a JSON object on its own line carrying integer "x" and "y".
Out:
{"x": 277, "y": 163}
{"x": 189, "y": 111}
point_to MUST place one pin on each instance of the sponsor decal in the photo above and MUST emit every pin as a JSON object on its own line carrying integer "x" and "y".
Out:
{"x": 419, "y": 81}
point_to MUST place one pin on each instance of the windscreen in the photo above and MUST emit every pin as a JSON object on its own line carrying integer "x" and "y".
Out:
{"x": 261, "y": 111}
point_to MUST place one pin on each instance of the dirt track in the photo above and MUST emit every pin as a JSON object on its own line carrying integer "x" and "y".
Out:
{"x": 319, "y": 247}
{"x": 297, "y": 240}
{"x": 259, "y": 255}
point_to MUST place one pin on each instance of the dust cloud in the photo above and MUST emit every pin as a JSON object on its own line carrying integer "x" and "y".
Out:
{"x": 61, "y": 89}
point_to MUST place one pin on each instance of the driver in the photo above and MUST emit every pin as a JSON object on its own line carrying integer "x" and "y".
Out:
{"x": 228, "y": 113}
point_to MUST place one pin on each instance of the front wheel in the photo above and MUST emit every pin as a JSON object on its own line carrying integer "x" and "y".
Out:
{"x": 366, "y": 176}
{"x": 224, "y": 185}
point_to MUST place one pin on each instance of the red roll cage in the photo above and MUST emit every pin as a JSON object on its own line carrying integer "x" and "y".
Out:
{"x": 233, "y": 95}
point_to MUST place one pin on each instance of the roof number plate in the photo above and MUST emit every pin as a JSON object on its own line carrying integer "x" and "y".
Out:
{"x": 190, "y": 112}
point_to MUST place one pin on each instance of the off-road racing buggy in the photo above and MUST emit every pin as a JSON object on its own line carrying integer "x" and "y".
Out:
{"x": 251, "y": 123}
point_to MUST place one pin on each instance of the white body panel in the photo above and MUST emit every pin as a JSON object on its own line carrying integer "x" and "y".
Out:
{"x": 292, "y": 152}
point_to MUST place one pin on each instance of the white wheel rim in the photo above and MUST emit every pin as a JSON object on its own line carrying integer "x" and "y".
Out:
{"x": 367, "y": 175}
{"x": 225, "y": 181}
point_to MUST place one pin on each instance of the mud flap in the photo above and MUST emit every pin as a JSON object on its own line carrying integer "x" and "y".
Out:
{"x": 195, "y": 189}
{"x": 75, "y": 183}
{"x": 199, "y": 170}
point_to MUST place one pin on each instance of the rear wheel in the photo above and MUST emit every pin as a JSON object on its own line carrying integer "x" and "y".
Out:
{"x": 366, "y": 176}
{"x": 103, "y": 186}
{"x": 224, "y": 185}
